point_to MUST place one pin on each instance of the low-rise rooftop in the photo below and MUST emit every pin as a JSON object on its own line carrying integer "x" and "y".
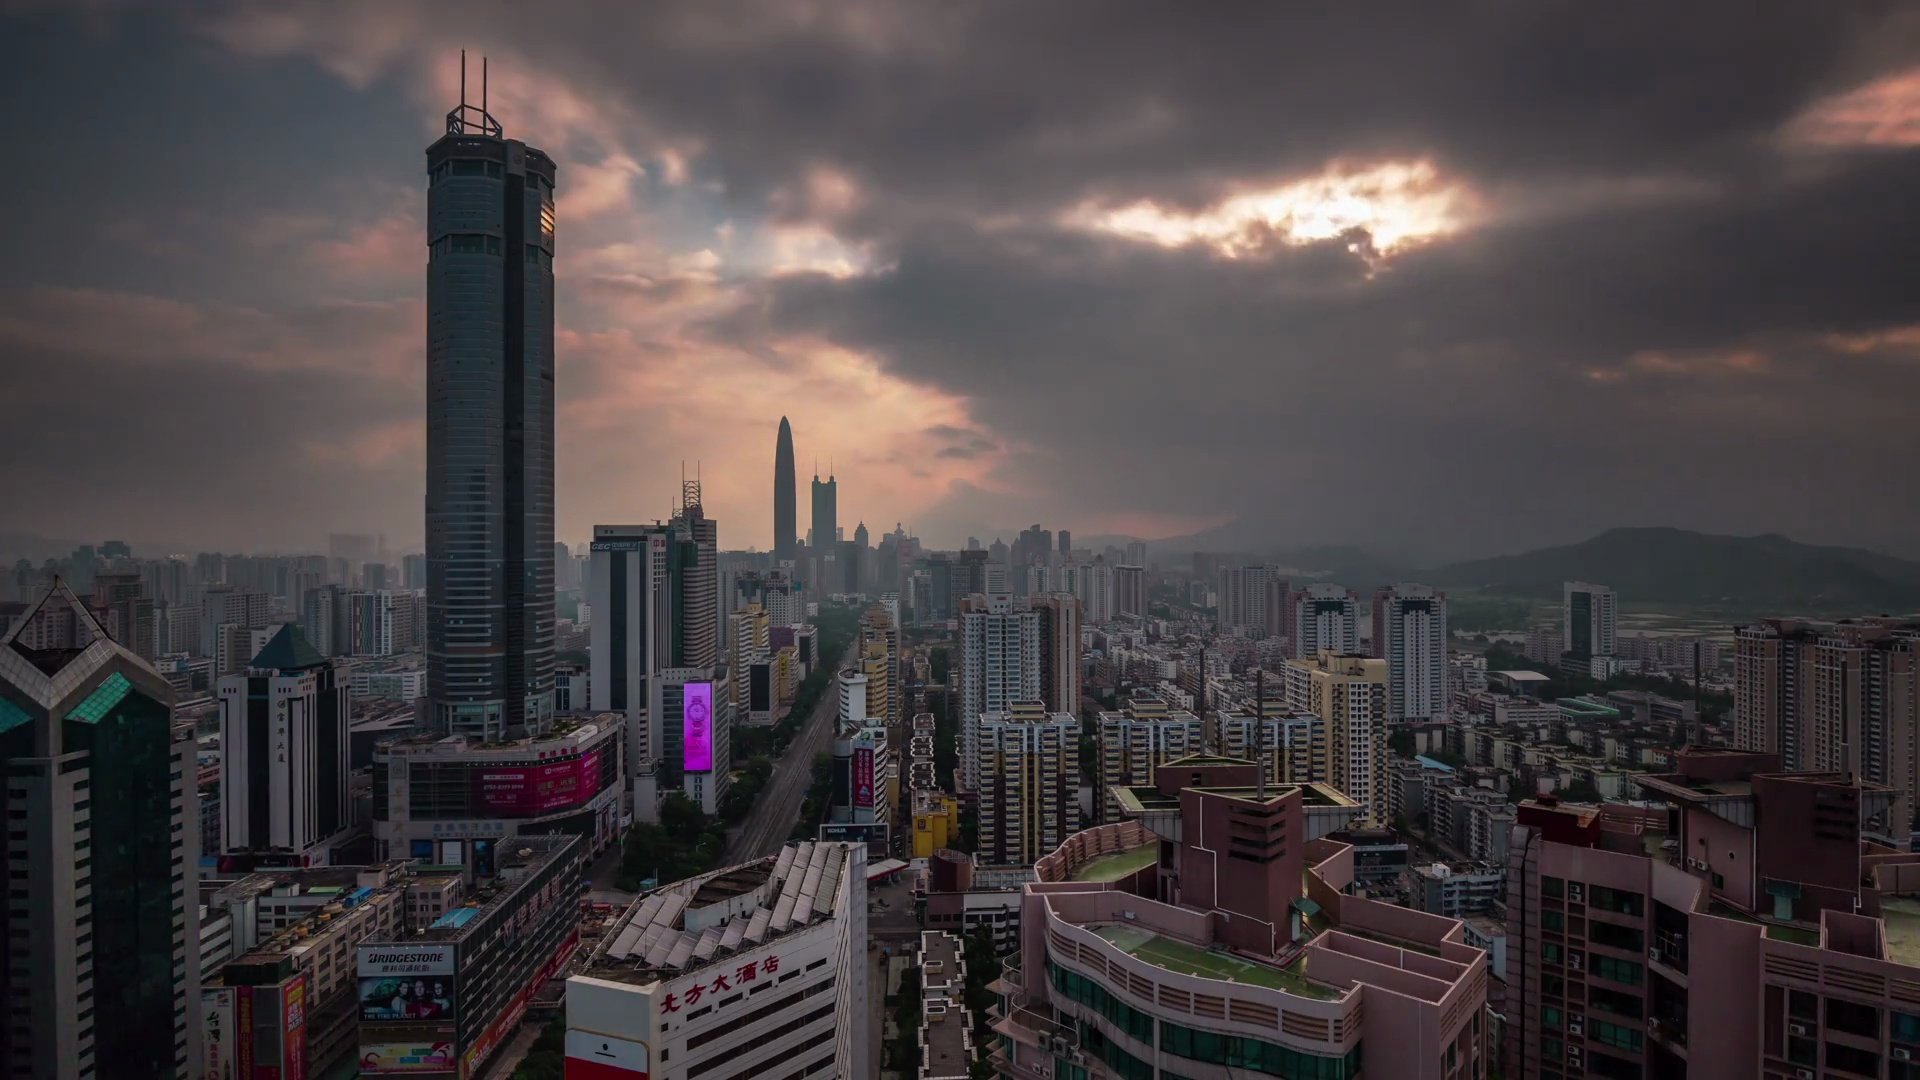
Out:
{"x": 689, "y": 924}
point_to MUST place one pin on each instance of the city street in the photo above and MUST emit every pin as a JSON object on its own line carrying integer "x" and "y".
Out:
{"x": 778, "y": 808}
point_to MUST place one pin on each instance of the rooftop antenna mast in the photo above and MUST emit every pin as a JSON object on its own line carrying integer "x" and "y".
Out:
{"x": 468, "y": 119}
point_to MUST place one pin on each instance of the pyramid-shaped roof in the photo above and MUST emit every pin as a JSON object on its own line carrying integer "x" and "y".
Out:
{"x": 288, "y": 650}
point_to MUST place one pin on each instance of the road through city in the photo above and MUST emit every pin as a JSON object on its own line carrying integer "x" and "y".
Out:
{"x": 777, "y": 810}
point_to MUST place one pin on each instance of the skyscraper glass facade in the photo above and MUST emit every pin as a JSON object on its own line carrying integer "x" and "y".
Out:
{"x": 489, "y": 510}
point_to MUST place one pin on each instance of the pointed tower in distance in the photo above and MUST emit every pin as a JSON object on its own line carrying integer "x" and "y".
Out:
{"x": 785, "y": 513}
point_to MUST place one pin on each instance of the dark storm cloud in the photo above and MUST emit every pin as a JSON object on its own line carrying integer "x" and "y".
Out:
{"x": 1653, "y": 312}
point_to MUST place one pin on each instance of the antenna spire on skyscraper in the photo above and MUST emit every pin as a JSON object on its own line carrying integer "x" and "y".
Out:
{"x": 468, "y": 119}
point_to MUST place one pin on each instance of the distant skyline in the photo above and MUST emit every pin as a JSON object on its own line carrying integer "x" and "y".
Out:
{"x": 1427, "y": 285}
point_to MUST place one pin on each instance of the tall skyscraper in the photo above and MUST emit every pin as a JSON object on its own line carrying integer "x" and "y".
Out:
{"x": 1066, "y": 542}
{"x": 102, "y": 966}
{"x": 786, "y": 531}
{"x": 826, "y": 520}
{"x": 631, "y": 638}
{"x": 489, "y": 506}
{"x": 1410, "y": 634}
{"x": 285, "y": 780}
{"x": 999, "y": 665}
{"x": 1589, "y": 619}
{"x": 695, "y": 553}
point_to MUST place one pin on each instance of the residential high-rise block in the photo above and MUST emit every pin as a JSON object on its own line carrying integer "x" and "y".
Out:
{"x": 1095, "y": 587}
{"x": 1589, "y": 619}
{"x": 1410, "y": 634}
{"x": 1243, "y": 597}
{"x": 786, "y": 532}
{"x": 999, "y": 665}
{"x": 879, "y": 647}
{"x": 1135, "y": 740}
{"x": 1841, "y": 697}
{"x": 1349, "y": 694}
{"x": 286, "y": 766}
{"x": 102, "y": 963}
{"x": 1060, "y": 652}
{"x": 490, "y": 392}
{"x": 225, "y": 605}
{"x": 1130, "y": 590}
{"x": 1028, "y": 762}
{"x": 1744, "y": 930}
{"x": 128, "y": 608}
{"x": 1324, "y": 618}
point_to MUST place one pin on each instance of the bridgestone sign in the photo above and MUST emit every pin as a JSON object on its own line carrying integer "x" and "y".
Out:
{"x": 420, "y": 960}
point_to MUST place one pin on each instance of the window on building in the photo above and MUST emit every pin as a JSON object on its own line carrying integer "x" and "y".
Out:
{"x": 1853, "y": 1018}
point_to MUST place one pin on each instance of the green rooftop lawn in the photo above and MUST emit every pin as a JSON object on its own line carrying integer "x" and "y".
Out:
{"x": 1118, "y": 865}
{"x": 1187, "y": 959}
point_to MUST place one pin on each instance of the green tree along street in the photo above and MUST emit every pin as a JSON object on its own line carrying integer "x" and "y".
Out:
{"x": 819, "y": 790}
{"x": 684, "y": 842}
{"x": 902, "y": 1052}
{"x": 547, "y": 1059}
{"x": 983, "y": 967}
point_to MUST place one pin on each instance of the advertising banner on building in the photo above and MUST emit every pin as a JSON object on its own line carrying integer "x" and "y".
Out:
{"x": 528, "y": 790}
{"x": 603, "y": 1057}
{"x": 243, "y": 1031}
{"x": 863, "y": 777}
{"x": 399, "y": 1051}
{"x": 406, "y": 997}
{"x": 404, "y": 960}
{"x": 696, "y": 727}
{"x": 216, "y": 1031}
{"x": 293, "y": 1003}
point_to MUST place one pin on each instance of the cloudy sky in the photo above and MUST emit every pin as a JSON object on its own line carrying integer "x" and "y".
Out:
{"x": 1433, "y": 282}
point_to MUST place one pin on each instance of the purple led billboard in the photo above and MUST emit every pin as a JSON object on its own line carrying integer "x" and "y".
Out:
{"x": 696, "y": 727}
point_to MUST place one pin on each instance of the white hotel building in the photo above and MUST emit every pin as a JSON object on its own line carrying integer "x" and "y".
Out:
{"x": 755, "y": 971}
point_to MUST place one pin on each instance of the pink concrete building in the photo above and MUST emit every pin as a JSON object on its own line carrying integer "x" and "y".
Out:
{"x": 1212, "y": 936}
{"x": 1749, "y": 932}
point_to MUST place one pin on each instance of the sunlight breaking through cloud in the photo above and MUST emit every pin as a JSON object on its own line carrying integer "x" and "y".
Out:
{"x": 1397, "y": 205}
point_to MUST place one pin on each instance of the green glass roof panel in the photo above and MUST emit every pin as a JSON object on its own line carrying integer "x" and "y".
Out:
{"x": 111, "y": 691}
{"x": 12, "y": 716}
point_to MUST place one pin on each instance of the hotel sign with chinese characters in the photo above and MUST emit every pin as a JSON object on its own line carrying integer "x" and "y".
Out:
{"x": 690, "y": 993}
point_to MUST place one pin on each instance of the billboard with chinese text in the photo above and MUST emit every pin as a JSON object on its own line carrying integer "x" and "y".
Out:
{"x": 527, "y": 790}
{"x": 863, "y": 777}
{"x": 696, "y": 727}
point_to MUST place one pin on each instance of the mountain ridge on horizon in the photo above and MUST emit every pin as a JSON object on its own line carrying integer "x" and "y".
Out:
{"x": 1660, "y": 564}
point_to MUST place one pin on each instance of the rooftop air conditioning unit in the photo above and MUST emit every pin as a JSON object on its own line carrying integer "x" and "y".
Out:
{"x": 1799, "y": 1029}
{"x": 1900, "y": 1053}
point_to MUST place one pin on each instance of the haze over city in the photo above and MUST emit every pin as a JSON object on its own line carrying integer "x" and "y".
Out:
{"x": 1065, "y": 540}
{"x": 1517, "y": 279}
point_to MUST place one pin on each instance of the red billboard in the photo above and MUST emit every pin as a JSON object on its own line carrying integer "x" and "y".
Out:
{"x": 528, "y": 790}
{"x": 863, "y": 777}
{"x": 293, "y": 999}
